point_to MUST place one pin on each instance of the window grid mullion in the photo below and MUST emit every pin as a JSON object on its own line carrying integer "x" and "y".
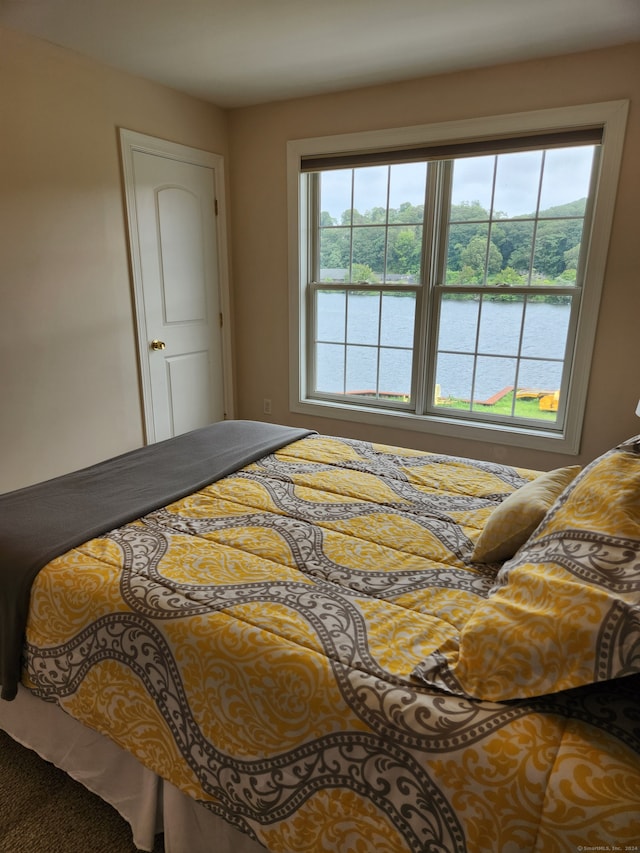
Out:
{"x": 490, "y": 223}
{"x": 516, "y": 381}
{"x": 476, "y": 346}
{"x": 437, "y": 203}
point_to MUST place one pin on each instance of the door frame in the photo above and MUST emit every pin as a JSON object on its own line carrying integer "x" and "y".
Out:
{"x": 130, "y": 142}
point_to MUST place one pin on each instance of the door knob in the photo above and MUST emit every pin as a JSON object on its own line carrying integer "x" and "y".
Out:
{"x": 156, "y": 344}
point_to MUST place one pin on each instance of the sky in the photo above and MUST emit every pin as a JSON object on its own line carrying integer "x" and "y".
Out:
{"x": 565, "y": 178}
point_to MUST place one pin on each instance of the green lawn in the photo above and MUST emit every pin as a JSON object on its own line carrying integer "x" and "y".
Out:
{"x": 524, "y": 408}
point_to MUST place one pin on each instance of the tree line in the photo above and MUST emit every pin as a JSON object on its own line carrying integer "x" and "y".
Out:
{"x": 502, "y": 253}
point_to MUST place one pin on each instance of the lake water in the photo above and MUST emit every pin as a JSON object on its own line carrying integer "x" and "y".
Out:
{"x": 498, "y": 326}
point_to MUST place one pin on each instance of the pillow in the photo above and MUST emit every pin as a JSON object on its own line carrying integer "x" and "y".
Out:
{"x": 512, "y": 523}
{"x": 565, "y": 610}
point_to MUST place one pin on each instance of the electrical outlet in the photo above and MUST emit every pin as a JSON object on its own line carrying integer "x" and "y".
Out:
{"x": 267, "y": 406}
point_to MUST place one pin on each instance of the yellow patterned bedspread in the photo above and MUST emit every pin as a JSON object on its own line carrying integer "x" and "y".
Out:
{"x": 253, "y": 643}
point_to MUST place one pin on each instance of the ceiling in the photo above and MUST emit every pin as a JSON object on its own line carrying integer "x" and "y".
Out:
{"x": 243, "y": 52}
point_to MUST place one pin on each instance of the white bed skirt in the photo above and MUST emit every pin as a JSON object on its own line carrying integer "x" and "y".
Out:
{"x": 148, "y": 803}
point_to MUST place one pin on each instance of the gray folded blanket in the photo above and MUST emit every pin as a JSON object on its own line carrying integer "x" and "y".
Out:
{"x": 41, "y": 522}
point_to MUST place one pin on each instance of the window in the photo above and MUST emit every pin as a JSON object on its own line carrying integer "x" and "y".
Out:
{"x": 454, "y": 283}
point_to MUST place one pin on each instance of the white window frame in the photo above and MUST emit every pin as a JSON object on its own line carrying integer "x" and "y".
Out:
{"x": 612, "y": 117}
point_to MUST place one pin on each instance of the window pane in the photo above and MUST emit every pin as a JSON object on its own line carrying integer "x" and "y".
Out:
{"x": 472, "y": 188}
{"x": 566, "y": 180}
{"x": 406, "y": 192}
{"x": 368, "y": 253}
{"x": 404, "y": 253}
{"x": 458, "y": 324}
{"x": 454, "y": 376}
{"x": 545, "y": 328}
{"x": 495, "y": 377}
{"x": 500, "y": 325}
{"x": 370, "y": 187}
{"x": 335, "y": 195}
{"x": 538, "y": 393}
{"x": 395, "y": 374}
{"x": 363, "y": 317}
{"x": 330, "y": 368}
{"x": 517, "y": 184}
{"x": 467, "y": 253}
{"x": 557, "y": 250}
{"x": 540, "y": 375}
{"x": 514, "y": 241}
{"x": 398, "y": 319}
{"x": 330, "y": 315}
{"x": 362, "y": 370}
{"x": 335, "y": 246}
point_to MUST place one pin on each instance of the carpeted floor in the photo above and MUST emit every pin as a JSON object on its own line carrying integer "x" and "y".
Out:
{"x": 42, "y": 810}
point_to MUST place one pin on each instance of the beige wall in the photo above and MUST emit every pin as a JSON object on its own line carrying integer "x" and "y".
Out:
{"x": 69, "y": 391}
{"x": 257, "y": 141}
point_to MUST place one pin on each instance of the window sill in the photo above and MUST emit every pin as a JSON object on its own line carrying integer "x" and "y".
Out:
{"x": 532, "y": 439}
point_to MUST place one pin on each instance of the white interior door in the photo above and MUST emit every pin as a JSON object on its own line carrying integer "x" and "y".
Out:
{"x": 176, "y": 259}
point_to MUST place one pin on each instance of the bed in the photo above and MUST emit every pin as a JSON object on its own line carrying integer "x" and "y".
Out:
{"x": 285, "y": 640}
